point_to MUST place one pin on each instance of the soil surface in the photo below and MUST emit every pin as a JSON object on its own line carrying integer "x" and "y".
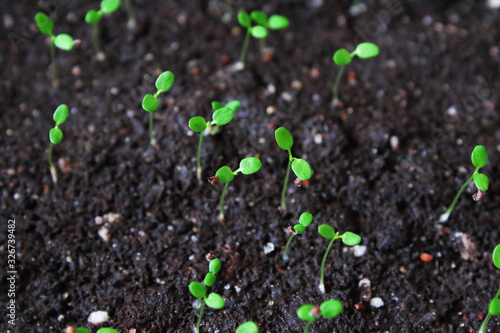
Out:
{"x": 386, "y": 163}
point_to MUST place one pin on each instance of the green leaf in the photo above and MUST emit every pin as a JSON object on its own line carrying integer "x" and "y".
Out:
{"x": 217, "y": 105}
{"x": 278, "y": 22}
{"x": 61, "y": 114}
{"x": 244, "y": 19}
{"x": 259, "y": 32}
{"x": 479, "y": 156}
{"x": 283, "y": 138}
{"x": 304, "y": 312}
{"x": 331, "y": 308}
{"x": 107, "y": 330}
{"x": 326, "y": 231}
{"x": 305, "y": 219}
{"x": 342, "y": 57}
{"x": 301, "y": 168}
{"x": 259, "y": 17}
{"x": 55, "y": 135}
{"x": 44, "y": 23}
{"x": 481, "y": 180}
{"x": 197, "y": 289}
{"x": 299, "y": 228}
{"x": 494, "y": 307}
{"x": 197, "y": 124}
{"x": 222, "y": 116}
{"x": 496, "y": 256}
{"x": 209, "y": 279}
{"x": 233, "y": 105}
{"x": 214, "y": 266}
{"x": 350, "y": 238}
{"x": 366, "y": 50}
{"x": 109, "y": 6}
{"x": 224, "y": 174}
{"x": 92, "y": 17}
{"x": 82, "y": 330}
{"x": 215, "y": 301}
{"x": 165, "y": 81}
{"x": 250, "y": 165}
{"x": 150, "y": 103}
{"x": 64, "y": 42}
{"x": 248, "y": 327}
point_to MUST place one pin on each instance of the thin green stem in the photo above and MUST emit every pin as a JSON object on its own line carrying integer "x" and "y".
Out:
{"x": 285, "y": 256}
{"x": 198, "y": 157}
{"x": 245, "y": 48}
{"x": 283, "y": 192}
{"x": 444, "y": 216}
{"x": 221, "y": 203}
{"x": 322, "y": 279}
{"x": 307, "y": 326}
{"x": 336, "y": 86}
{"x": 53, "y": 170}
{"x": 53, "y": 65}
{"x": 199, "y": 318}
{"x": 95, "y": 38}
{"x": 151, "y": 132}
{"x": 484, "y": 325}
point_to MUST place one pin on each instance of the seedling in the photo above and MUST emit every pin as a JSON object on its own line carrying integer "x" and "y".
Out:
{"x": 222, "y": 115}
{"x": 348, "y": 238}
{"x": 494, "y": 307}
{"x": 225, "y": 175}
{"x": 248, "y": 327}
{"x": 199, "y": 290}
{"x": 61, "y": 41}
{"x": 304, "y": 220}
{"x": 328, "y": 309}
{"x": 150, "y": 102}
{"x": 132, "y": 22}
{"x": 479, "y": 159}
{"x": 56, "y": 135}
{"x": 342, "y": 58}
{"x": 101, "y": 330}
{"x": 258, "y": 31}
{"x": 94, "y": 16}
{"x": 300, "y": 167}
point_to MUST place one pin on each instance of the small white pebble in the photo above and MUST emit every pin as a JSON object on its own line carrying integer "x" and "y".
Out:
{"x": 60, "y": 317}
{"x": 452, "y": 111}
{"x": 8, "y": 21}
{"x": 271, "y": 303}
{"x": 270, "y": 109}
{"x": 271, "y": 89}
{"x": 364, "y": 282}
{"x": 286, "y": 96}
{"x": 227, "y": 286}
{"x": 493, "y": 4}
{"x": 114, "y": 91}
{"x": 98, "y": 220}
{"x": 104, "y": 233}
{"x": 268, "y": 248}
{"x": 238, "y": 289}
{"x": 394, "y": 142}
{"x": 98, "y": 317}
{"x": 376, "y": 302}
{"x": 191, "y": 257}
{"x": 318, "y": 139}
{"x": 296, "y": 84}
{"x": 17, "y": 196}
{"x": 359, "y": 250}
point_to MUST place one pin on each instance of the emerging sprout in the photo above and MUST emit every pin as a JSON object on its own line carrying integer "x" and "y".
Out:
{"x": 61, "y": 41}
{"x": 56, "y": 135}
{"x": 348, "y": 238}
{"x": 328, "y": 309}
{"x": 132, "y": 22}
{"x": 225, "y": 175}
{"x": 248, "y": 327}
{"x": 258, "y": 31}
{"x": 222, "y": 115}
{"x": 300, "y": 167}
{"x": 479, "y": 159}
{"x": 94, "y": 16}
{"x": 199, "y": 290}
{"x": 304, "y": 220}
{"x": 150, "y": 102}
{"x": 342, "y": 57}
{"x": 494, "y": 307}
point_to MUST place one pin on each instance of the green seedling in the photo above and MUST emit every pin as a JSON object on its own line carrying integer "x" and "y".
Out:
{"x": 101, "y": 330}
{"x": 328, "y": 309}
{"x": 222, "y": 115}
{"x": 150, "y": 102}
{"x": 300, "y": 167}
{"x": 225, "y": 175}
{"x": 61, "y": 41}
{"x": 494, "y": 307}
{"x": 248, "y": 327}
{"x": 199, "y": 290}
{"x": 132, "y": 22}
{"x": 343, "y": 57}
{"x": 94, "y": 16}
{"x": 56, "y": 135}
{"x": 479, "y": 159}
{"x": 348, "y": 238}
{"x": 258, "y": 31}
{"x": 304, "y": 220}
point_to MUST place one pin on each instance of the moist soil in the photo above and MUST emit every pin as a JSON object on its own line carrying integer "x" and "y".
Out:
{"x": 386, "y": 163}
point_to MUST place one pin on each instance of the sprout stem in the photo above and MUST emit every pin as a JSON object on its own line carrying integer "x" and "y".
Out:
{"x": 221, "y": 203}
{"x": 484, "y": 325}
{"x": 53, "y": 170}
{"x": 198, "y": 156}
{"x": 245, "y": 47}
{"x": 283, "y": 192}
{"x": 95, "y": 40}
{"x": 53, "y": 65}
{"x": 307, "y": 326}
{"x": 199, "y": 318}
{"x": 285, "y": 256}
{"x": 131, "y": 16}
{"x": 227, "y": 11}
{"x": 322, "y": 279}
{"x": 151, "y": 133}
{"x": 335, "y": 89}
{"x": 444, "y": 216}
{"x": 262, "y": 46}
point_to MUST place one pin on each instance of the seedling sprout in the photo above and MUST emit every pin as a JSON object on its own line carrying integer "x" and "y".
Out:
{"x": 304, "y": 221}
{"x": 56, "y": 135}
{"x": 248, "y": 327}
{"x": 479, "y": 159}
{"x": 300, "y": 167}
{"x": 342, "y": 58}
{"x": 94, "y": 16}
{"x": 494, "y": 307}
{"x": 225, "y": 175}
{"x": 150, "y": 102}
{"x": 348, "y": 238}
{"x": 328, "y": 309}
{"x": 132, "y": 22}
{"x": 61, "y": 41}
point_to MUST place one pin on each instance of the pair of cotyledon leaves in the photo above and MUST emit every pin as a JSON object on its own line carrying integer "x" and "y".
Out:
{"x": 494, "y": 307}
{"x": 60, "y": 116}
{"x": 223, "y": 114}
{"x": 107, "y": 7}
{"x": 46, "y": 26}
{"x": 248, "y": 166}
{"x": 300, "y": 167}
{"x": 304, "y": 220}
{"x": 328, "y": 309}
{"x": 348, "y": 238}
{"x": 479, "y": 159}
{"x": 199, "y": 290}
{"x": 259, "y": 31}
{"x": 248, "y": 327}
{"x": 364, "y": 50}
{"x": 101, "y": 330}
{"x": 163, "y": 84}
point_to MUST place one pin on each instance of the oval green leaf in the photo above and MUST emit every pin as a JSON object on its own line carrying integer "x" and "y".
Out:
{"x": 331, "y": 308}
{"x": 224, "y": 174}
{"x": 107, "y": 330}
{"x": 197, "y": 124}
{"x": 366, "y": 50}
{"x": 304, "y": 312}
{"x": 44, "y": 23}
{"x": 55, "y": 135}
{"x": 326, "y": 231}
{"x": 481, "y": 180}
{"x": 244, "y": 19}
{"x": 283, "y": 138}
{"x": 64, "y": 42}
{"x": 215, "y": 301}
{"x": 259, "y": 17}
{"x": 301, "y": 168}
{"x": 496, "y": 256}
{"x": 494, "y": 307}
{"x": 214, "y": 266}
{"x": 305, "y": 219}
{"x": 278, "y": 22}
{"x": 222, "y": 116}
{"x": 342, "y": 57}
{"x": 197, "y": 289}
{"x": 92, "y": 17}
{"x": 250, "y": 165}
{"x": 479, "y": 156}
{"x": 259, "y": 32}
{"x": 350, "y": 238}
{"x": 209, "y": 279}
{"x": 61, "y": 114}
{"x": 165, "y": 81}
{"x": 150, "y": 103}
{"x": 82, "y": 330}
{"x": 248, "y": 327}
{"x": 233, "y": 105}
{"x": 109, "y": 6}
{"x": 299, "y": 228}
{"x": 217, "y": 105}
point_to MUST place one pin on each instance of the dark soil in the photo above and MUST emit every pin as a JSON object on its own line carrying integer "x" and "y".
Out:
{"x": 436, "y": 57}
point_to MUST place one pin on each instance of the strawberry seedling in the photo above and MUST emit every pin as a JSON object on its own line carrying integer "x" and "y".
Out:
{"x": 304, "y": 221}
{"x": 56, "y": 135}
{"x": 94, "y": 16}
{"x": 494, "y": 307}
{"x": 328, "y": 309}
